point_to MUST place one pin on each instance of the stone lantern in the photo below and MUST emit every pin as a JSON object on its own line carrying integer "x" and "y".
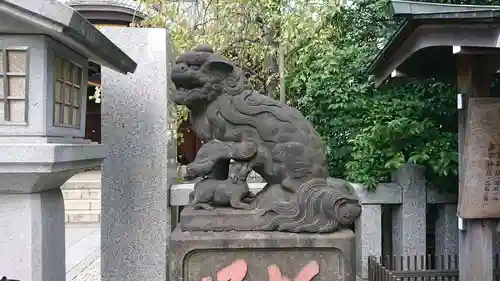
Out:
{"x": 45, "y": 47}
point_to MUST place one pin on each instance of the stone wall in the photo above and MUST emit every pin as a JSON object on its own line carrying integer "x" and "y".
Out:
{"x": 82, "y": 198}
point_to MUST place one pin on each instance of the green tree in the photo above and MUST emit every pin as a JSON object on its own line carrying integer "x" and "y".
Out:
{"x": 370, "y": 132}
{"x": 248, "y": 32}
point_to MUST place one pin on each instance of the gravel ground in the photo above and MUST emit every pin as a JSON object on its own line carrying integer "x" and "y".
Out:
{"x": 91, "y": 273}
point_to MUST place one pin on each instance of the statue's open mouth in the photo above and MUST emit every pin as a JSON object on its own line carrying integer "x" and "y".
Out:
{"x": 186, "y": 80}
{"x": 188, "y": 85}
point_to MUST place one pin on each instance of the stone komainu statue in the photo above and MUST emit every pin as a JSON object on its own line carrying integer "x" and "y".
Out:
{"x": 260, "y": 134}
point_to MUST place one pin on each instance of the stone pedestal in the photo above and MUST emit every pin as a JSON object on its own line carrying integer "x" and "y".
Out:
{"x": 32, "y": 234}
{"x": 199, "y": 255}
{"x": 221, "y": 219}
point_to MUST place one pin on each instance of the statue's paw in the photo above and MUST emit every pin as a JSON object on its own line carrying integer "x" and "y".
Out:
{"x": 245, "y": 206}
{"x": 240, "y": 205}
{"x": 191, "y": 174}
{"x": 248, "y": 200}
{"x": 189, "y": 177}
{"x": 203, "y": 206}
{"x": 200, "y": 169}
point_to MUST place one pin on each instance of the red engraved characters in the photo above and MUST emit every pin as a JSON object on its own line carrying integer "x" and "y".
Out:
{"x": 306, "y": 274}
{"x": 238, "y": 270}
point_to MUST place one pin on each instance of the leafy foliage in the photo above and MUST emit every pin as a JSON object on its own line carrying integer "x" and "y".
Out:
{"x": 370, "y": 132}
{"x": 248, "y": 32}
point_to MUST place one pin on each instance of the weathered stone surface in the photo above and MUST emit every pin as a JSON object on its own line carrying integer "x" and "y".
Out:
{"x": 137, "y": 173}
{"x": 196, "y": 255}
{"x": 270, "y": 138}
{"x": 447, "y": 230}
{"x": 32, "y": 206}
{"x": 409, "y": 219}
{"x": 221, "y": 219}
{"x": 31, "y": 168}
{"x": 385, "y": 193}
{"x": 179, "y": 193}
{"x": 32, "y": 236}
{"x": 368, "y": 237}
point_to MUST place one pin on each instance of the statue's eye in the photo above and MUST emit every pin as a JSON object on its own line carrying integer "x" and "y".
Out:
{"x": 194, "y": 67}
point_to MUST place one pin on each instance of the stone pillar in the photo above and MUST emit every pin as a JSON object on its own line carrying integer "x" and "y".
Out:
{"x": 368, "y": 237}
{"x": 409, "y": 218}
{"x": 369, "y": 228}
{"x": 32, "y": 230}
{"x": 447, "y": 230}
{"x": 136, "y": 175}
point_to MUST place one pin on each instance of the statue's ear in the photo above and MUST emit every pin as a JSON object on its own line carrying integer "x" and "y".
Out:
{"x": 219, "y": 64}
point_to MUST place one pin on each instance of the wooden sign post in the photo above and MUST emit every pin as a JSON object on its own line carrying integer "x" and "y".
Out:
{"x": 479, "y": 147}
{"x": 479, "y": 196}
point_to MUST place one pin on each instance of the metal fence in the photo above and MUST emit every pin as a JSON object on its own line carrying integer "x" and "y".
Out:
{"x": 419, "y": 268}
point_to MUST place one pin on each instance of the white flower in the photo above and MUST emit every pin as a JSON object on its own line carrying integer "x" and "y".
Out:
{"x": 97, "y": 95}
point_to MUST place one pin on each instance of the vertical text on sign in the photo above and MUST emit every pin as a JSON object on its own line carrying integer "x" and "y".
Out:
{"x": 492, "y": 181}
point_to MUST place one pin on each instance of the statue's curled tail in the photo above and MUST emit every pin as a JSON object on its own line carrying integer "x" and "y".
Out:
{"x": 317, "y": 207}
